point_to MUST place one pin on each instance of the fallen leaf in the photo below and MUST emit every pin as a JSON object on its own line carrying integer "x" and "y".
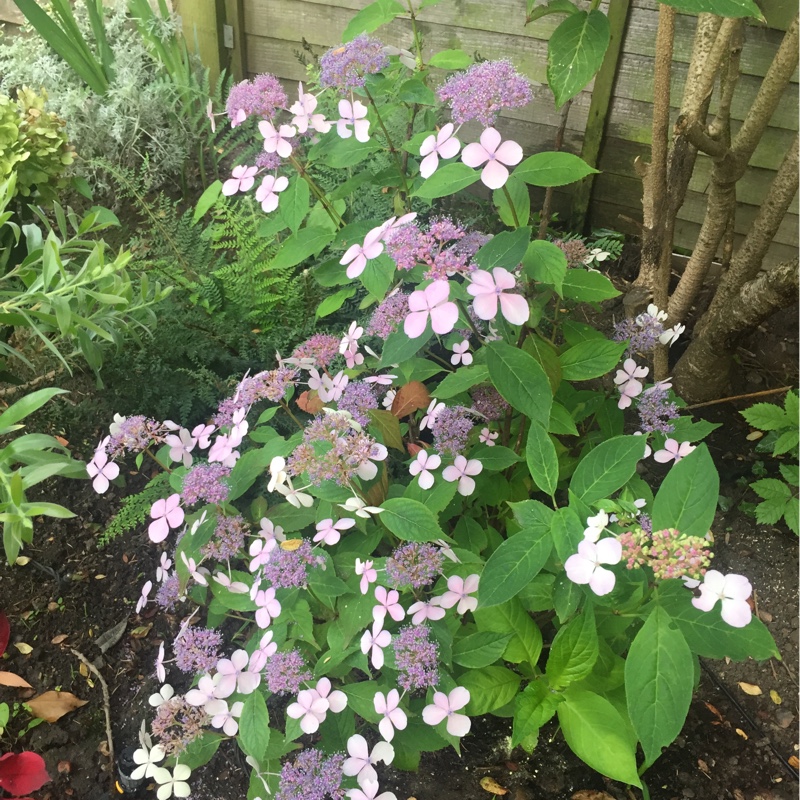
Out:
{"x": 715, "y": 712}
{"x": 141, "y": 631}
{"x": 51, "y": 706}
{"x": 591, "y": 794}
{"x": 84, "y": 670}
{"x": 750, "y": 688}
{"x": 21, "y": 773}
{"x": 702, "y": 765}
{"x": 775, "y": 697}
{"x": 291, "y": 544}
{"x": 794, "y": 762}
{"x": 784, "y": 718}
{"x": 754, "y": 436}
{"x": 5, "y": 632}
{"x": 51, "y": 606}
{"x": 22, "y": 561}
{"x": 737, "y": 794}
{"x": 410, "y": 398}
{"x": 11, "y": 679}
{"x": 106, "y": 640}
{"x": 492, "y": 786}
{"x": 309, "y": 402}
{"x": 742, "y": 734}
{"x": 62, "y": 637}
{"x": 99, "y": 577}
{"x": 24, "y": 648}
{"x": 64, "y": 767}
{"x": 62, "y": 441}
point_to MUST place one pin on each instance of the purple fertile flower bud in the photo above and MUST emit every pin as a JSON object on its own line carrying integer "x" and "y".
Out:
{"x": 417, "y": 657}
{"x": 206, "y": 483}
{"x": 415, "y": 564}
{"x": 197, "y": 650}
{"x": 312, "y": 776}
{"x": 344, "y": 67}
{"x": 285, "y": 673}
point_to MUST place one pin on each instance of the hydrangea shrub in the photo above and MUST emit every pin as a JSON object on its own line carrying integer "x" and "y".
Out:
{"x": 459, "y": 464}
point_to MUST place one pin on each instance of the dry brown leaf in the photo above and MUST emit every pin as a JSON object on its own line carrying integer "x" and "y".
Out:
{"x": 492, "y": 786}
{"x": 414, "y": 448}
{"x": 715, "y": 711}
{"x": 99, "y": 577}
{"x": 591, "y": 794}
{"x": 775, "y": 697}
{"x": 742, "y": 734}
{"x": 51, "y": 706}
{"x": 62, "y": 637}
{"x": 702, "y": 765}
{"x": 12, "y": 679}
{"x": 794, "y": 761}
{"x": 750, "y": 688}
{"x": 410, "y": 398}
{"x": 141, "y": 631}
{"x": 291, "y": 544}
{"x": 84, "y": 670}
{"x": 62, "y": 441}
{"x": 754, "y": 436}
{"x": 310, "y": 402}
{"x": 24, "y": 648}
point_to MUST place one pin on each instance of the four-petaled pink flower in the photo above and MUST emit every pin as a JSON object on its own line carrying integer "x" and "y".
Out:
{"x": 388, "y": 705}
{"x": 508, "y": 154}
{"x": 161, "y": 672}
{"x": 310, "y": 709}
{"x": 350, "y": 339}
{"x": 267, "y": 193}
{"x": 266, "y": 649}
{"x": 673, "y": 451}
{"x": 445, "y": 706}
{"x": 431, "y": 413}
{"x": 329, "y": 532}
{"x": 442, "y": 144}
{"x": 367, "y": 572}
{"x": 461, "y": 354}
{"x": 101, "y": 471}
{"x": 422, "y": 466}
{"x": 166, "y": 513}
{"x": 268, "y": 607}
{"x": 353, "y": 114}
{"x": 373, "y": 642}
{"x": 276, "y": 140}
{"x": 304, "y": 116}
{"x": 732, "y": 590}
{"x": 461, "y": 470}
{"x": 422, "y": 611}
{"x": 388, "y": 603}
{"x": 222, "y": 717}
{"x": 487, "y": 437}
{"x": 357, "y": 255}
{"x": 487, "y": 289}
{"x": 431, "y": 301}
{"x": 162, "y": 570}
{"x": 628, "y": 383}
{"x": 181, "y": 446}
{"x": 584, "y": 566}
{"x": 242, "y": 181}
{"x": 361, "y": 763}
{"x": 459, "y": 591}
{"x": 235, "y": 676}
{"x": 194, "y": 569}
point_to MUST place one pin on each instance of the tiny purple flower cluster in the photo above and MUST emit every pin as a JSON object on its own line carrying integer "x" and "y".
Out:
{"x": 177, "y": 724}
{"x": 388, "y": 316}
{"x": 269, "y": 385}
{"x": 169, "y": 592}
{"x": 197, "y": 650}
{"x": 656, "y": 410}
{"x": 359, "y": 398}
{"x": 451, "y": 429}
{"x": 641, "y": 333}
{"x": 134, "y": 434}
{"x": 575, "y": 251}
{"x": 344, "y": 67}
{"x": 417, "y": 657}
{"x": 286, "y": 672}
{"x": 322, "y": 348}
{"x": 483, "y": 90}
{"x": 261, "y": 97}
{"x": 312, "y": 776}
{"x": 228, "y": 540}
{"x": 205, "y": 482}
{"x": 486, "y": 400}
{"x": 288, "y": 569}
{"x": 415, "y": 564}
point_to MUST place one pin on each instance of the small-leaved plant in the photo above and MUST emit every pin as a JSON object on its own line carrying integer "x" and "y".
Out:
{"x": 459, "y": 462}
{"x": 779, "y": 496}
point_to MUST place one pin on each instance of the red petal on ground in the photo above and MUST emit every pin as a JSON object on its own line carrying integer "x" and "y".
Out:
{"x": 21, "y": 773}
{"x": 5, "y": 632}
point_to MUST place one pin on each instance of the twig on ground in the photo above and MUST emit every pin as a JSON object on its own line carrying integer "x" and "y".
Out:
{"x": 738, "y": 397}
{"x": 106, "y": 707}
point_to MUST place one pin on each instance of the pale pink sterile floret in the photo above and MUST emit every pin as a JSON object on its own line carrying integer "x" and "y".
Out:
{"x": 595, "y": 526}
{"x": 488, "y": 437}
{"x": 368, "y": 790}
{"x": 388, "y": 705}
{"x": 628, "y": 383}
{"x": 101, "y": 471}
{"x": 497, "y": 153}
{"x": 459, "y": 591}
{"x": 353, "y": 114}
{"x": 422, "y": 466}
{"x": 350, "y": 339}
{"x": 224, "y": 717}
{"x": 733, "y": 590}
{"x": 161, "y": 672}
{"x": 432, "y": 301}
{"x": 276, "y": 140}
{"x": 162, "y": 570}
{"x": 181, "y": 446}
{"x": 461, "y": 354}
{"x": 235, "y": 676}
{"x": 337, "y": 701}
{"x": 304, "y": 116}
{"x": 367, "y": 470}
{"x": 489, "y": 288}
{"x": 462, "y": 471}
{"x": 267, "y": 193}
{"x": 361, "y": 763}
{"x": 584, "y": 567}
{"x": 373, "y": 641}
{"x": 265, "y": 650}
{"x": 310, "y": 708}
{"x": 142, "y": 602}
{"x": 368, "y": 574}
{"x": 357, "y": 255}
{"x": 166, "y": 513}
{"x": 236, "y": 587}
{"x": 438, "y": 145}
{"x": 268, "y": 607}
{"x": 673, "y": 451}
{"x": 431, "y": 413}
{"x": 194, "y": 569}
{"x": 202, "y": 434}
{"x": 242, "y": 181}
{"x": 444, "y": 706}
{"x": 205, "y": 691}
{"x": 388, "y": 603}
{"x": 422, "y": 611}
{"x": 329, "y": 532}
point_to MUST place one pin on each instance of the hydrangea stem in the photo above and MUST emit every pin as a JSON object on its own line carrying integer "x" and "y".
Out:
{"x": 511, "y": 206}
{"x": 288, "y": 410}
{"x": 318, "y": 193}
{"x": 392, "y": 148}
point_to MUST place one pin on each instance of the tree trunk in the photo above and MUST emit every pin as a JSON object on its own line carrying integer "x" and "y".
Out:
{"x": 703, "y": 372}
